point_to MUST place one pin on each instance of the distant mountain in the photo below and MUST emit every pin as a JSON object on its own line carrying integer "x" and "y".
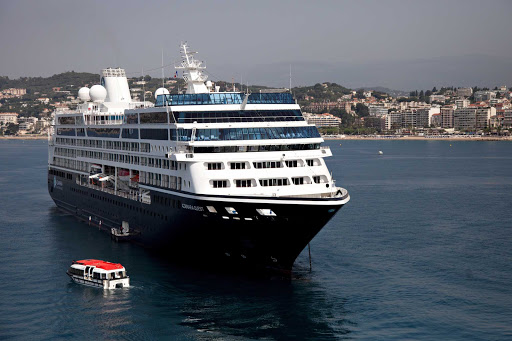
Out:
{"x": 391, "y": 92}
{"x": 405, "y": 75}
{"x": 66, "y": 81}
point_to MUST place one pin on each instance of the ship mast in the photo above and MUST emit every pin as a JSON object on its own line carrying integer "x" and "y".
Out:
{"x": 192, "y": 73}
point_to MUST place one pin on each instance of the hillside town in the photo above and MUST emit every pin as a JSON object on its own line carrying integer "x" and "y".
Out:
{"x": 437, "y": 112}
{"x": 334, "y": 109}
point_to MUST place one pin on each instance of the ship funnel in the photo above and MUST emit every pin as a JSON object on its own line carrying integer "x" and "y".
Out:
{"x": 116, "y": 83}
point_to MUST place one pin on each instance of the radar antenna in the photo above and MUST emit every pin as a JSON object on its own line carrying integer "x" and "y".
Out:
{"x": 192, "y": 73}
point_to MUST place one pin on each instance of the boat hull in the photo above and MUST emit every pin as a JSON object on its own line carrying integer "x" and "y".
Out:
{"x": 184, "y": 227}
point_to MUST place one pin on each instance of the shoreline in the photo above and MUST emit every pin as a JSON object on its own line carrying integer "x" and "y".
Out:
{"x": 24, "y": 137}
{"x": 420, "y": 138}
{"x": 347, "y": 137}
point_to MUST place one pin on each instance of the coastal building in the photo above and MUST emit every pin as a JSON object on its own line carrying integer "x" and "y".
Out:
{"x": 484, "y": 96}
{"x": 377, "y": 111}
{"x": 44, "y": 100}
{"x": 436, "y": 120}
{"x": 322, "y": 120}
{"x": 16, "y": 92}
{"x": 464, "y": 92}
{"x": 472, "y": 118}
{"x": 26, "y": 124}
{"x": 393, "y": 120}
{"x": 495, "y": 101}
{"x": 462, "y": 103}
{"x": 435, "y": 109}
{"x": 447, "y": 116}
{"x": 507, "y": 118}
{"x": 367, "y": 94}
{"x": 327, "y": 106}
{"x": 41, "y": 124}
{"x": 415, "y": 118}
{"x": 413, "y": 105}
{"x": 8, "y": 117}
{"x": 437, "y": 98}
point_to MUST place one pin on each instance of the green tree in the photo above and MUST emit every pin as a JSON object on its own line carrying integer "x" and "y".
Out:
{"x": 12, "y": 129}
{"x": 362, "y": 110}
{"x": 421, "y": 96}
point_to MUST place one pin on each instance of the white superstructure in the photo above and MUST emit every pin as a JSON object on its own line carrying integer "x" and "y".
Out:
{"x": 117, "y": 133}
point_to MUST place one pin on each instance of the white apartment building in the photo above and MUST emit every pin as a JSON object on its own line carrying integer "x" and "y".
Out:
{"x": 27, "y": 123}
{"x": 8, "y": 117}
{"x": 15, "y": 91}
{"x": 484, "y": 95}
{"x": 462, "y": 103}
{"x": 464, "y": 92}
{"x": 322, "y": 120}
{"x": 437, "y": 98}
{"x": 377, "y": 111}
{"x": 393, "y": 120}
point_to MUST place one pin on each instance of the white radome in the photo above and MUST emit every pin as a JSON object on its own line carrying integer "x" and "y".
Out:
{"x": 98, "y": 93}
{"x": 161, "y": 91}
{"x": 83, "y": 94}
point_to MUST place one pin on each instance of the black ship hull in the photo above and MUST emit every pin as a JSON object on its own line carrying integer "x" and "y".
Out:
{"x": 183, "y": 225}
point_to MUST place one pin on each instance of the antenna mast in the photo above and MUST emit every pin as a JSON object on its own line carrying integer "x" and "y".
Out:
{"x": 290, "y": 78}
{"x": 163, "y": 78}
{"x": 143, "y": 88}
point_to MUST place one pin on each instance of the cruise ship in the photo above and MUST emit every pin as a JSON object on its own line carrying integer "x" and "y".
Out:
{"x": 226, "y": 177}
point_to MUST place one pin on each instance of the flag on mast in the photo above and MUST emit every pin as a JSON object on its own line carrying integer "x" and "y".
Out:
{"x": 176, "y": 74}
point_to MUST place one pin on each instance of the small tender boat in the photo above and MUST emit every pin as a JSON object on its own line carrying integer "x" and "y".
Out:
{"x": 380, "y": 152}
{"x": 99, "y": 274}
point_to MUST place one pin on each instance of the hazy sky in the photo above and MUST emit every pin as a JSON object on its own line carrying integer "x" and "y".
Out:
{"x": 399, "y": 44}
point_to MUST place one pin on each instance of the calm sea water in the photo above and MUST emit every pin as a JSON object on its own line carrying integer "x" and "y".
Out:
{"x": 422, "y": 251}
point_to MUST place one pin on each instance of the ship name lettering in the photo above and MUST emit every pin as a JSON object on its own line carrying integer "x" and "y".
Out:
{"x": 193, "y": 208}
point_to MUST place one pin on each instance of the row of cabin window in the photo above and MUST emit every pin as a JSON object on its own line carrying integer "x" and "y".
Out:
{"x": 105, "y": 144}
{"x": 261, "y": 164}
{"x": 265, "y": 182}
{"x": 65, "y": 152}
{"x": 71, "y": 164}
{"x": 136, "y": 160}
{"x": 61, "y": 174}
{"x": 163, "y": 180}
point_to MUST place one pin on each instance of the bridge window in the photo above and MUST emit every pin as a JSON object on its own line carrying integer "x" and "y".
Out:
{"x": 274, "y": 182}
{"x": 214, "y": 165}
{"x": 267, "y": 164}
{"x": 219, "y": 183}
{"x": 298, "y": 181}
{"x": 237, "y": 165}
{"x": 243, "y": 183}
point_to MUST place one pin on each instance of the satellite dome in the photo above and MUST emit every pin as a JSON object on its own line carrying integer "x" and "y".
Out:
{"x": 98, "y": 93}
{"x": 83, "y": 94}
{"x": 161, "y": 91}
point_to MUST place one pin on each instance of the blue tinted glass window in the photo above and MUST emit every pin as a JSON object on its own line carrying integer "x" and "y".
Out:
{"x": 130, "y": 133}
{"x": 103, "y": 132}
{"x": 154, "y": 134}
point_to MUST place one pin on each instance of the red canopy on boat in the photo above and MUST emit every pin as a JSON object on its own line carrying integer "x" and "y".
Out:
{"x": 100, "y": 264}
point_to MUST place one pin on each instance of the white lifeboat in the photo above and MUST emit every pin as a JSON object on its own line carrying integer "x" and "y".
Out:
{"x": 99, "y": 274}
